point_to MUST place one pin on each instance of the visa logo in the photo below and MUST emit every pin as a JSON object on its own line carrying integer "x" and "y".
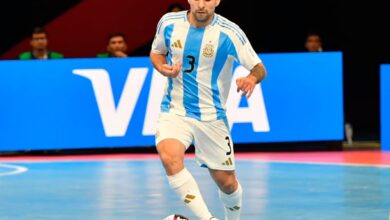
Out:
{"x": 116, "y": 118}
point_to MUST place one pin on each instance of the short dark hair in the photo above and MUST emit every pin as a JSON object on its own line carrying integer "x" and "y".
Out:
{"x": 39, "y": 30}
{"x": 175, "y": 5}
{"x": 116, "y": 34}
{"x": 313, "y": 33}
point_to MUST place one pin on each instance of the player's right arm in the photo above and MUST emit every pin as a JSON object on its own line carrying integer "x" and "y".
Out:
{"x": 159, "y": 51}
{"x": 159, "y": 62}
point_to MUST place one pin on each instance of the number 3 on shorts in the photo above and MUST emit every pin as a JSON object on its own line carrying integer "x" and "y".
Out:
{"x": 228, "y": 143}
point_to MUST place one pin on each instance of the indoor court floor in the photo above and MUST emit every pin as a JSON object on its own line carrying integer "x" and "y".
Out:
{"x": 347, "y": 185}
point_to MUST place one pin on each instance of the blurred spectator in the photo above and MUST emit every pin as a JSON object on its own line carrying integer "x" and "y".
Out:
{"x": 116, "y": 46}
{"x": 313, "y": 42}
{"x": 39, "y": 47}
{"x": 175, "y": 7}
{"x": 144, "y": 50}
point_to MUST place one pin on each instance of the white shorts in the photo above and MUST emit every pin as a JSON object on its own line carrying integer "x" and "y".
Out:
{"x": 212, "y": 140}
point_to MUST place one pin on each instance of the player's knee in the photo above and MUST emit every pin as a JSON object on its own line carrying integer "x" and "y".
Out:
{"x": 169, "y": 157}
{"x": 229, "y": 186}
{"x": 172, "y": 163}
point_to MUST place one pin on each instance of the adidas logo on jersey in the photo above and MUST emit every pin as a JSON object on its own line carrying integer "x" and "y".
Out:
{"x": 176, "y": 44}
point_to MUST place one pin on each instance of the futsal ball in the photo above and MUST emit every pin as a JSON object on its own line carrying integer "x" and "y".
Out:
{"x": 175, "y": 217}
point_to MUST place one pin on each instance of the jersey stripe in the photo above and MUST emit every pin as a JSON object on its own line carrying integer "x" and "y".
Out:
{"x": 190, "y": 84}
{"x": 225, "y": 46}
{"x": 232, "y": 47}
{"x": 165, "y": 104}
{"x": 235, "y": 31}
{"x": 168, "y": 17}
{"x": 168, "y": 36}
{"x": 228, "y": 25}
{"x": 233, "y": 26}
{"x": 167, "y": 97}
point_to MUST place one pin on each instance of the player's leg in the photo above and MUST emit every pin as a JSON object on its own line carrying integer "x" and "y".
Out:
{"x": 173, "y": 138}
{"x": 230, "y": 192}
{"x": 215, "y": 151}
{"x": 171, "y": 152}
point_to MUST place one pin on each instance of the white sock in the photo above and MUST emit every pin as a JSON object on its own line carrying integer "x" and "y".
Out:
{"x": 232, "y": 203}
{"x": 185, "y": 186}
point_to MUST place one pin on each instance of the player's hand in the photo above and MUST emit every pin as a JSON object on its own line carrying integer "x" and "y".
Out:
{"x": 246, "y": 85}
{"x": 170, "y": 71}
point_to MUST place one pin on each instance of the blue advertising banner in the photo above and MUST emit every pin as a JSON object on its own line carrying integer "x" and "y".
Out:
{"x": 111, "y": 102}
{"x": 385, "y": 106}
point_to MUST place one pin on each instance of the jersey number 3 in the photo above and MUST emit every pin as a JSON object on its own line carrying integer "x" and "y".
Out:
{"x": 191, "y": 61}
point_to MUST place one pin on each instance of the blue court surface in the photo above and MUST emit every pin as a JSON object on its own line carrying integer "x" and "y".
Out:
{"x": 138, "y": 189}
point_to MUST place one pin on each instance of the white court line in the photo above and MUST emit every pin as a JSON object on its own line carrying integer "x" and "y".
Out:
{"x": 317, "y": 163}
{"x": 14, "y": 169}
{"x": 192, "y": 158}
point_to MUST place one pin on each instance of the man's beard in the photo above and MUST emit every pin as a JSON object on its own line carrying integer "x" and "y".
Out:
{"x": 202, "y": 18}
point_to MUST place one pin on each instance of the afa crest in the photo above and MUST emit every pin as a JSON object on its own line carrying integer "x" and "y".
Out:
{"x": 208, "y": 50}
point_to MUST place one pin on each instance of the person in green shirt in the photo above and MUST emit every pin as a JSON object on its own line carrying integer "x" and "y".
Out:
{"x": 116, "y": 46}
{"x": 39, "y": 47}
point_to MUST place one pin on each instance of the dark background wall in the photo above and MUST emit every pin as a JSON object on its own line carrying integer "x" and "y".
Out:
{"x": 79, "y": 28}
{"x": 356, "y": 29}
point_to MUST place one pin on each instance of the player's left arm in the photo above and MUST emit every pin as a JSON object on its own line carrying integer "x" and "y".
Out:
{"x": 248, "y": 58}
{"x": 247, "y": 84}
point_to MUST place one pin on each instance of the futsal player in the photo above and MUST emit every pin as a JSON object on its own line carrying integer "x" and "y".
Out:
{"x": 195, "y": 50}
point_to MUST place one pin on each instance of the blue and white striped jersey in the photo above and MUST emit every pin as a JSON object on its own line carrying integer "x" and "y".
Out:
{"x": 207, "y": 55}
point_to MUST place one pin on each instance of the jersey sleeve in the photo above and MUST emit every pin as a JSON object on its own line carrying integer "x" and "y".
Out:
{"x": 158, "y": 45}
{"x": 246, "y": 55}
